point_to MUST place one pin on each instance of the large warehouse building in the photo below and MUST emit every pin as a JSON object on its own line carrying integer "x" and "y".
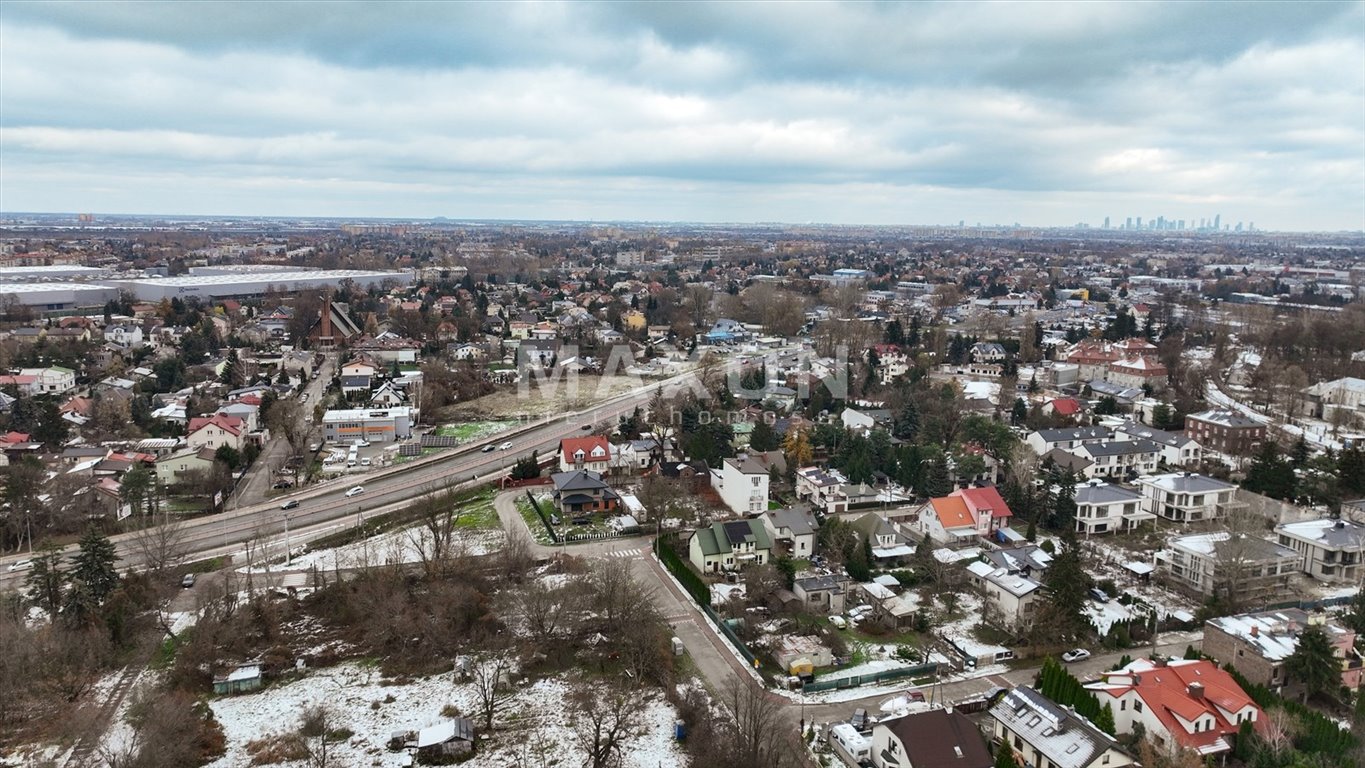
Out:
{"x": 253, "y": 284}
{"x": 53, "y": 272}
{"x": 46, "y": 297}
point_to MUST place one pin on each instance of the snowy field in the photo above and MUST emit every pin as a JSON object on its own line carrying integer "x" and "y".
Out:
{"x": 404, "y": 546}
{"x": 533, "y": 729}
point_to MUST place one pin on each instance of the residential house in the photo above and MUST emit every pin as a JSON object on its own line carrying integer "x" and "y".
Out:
{"x": 742, "y": 484}
{"x": 357, "y": 377}
{"x": 1330, "y": 550}
{"x": 825, "y": 595}
{"x": 948, "y": 521}
{"x": 215, "y": 432}
{"x": 590, "y": 453}
{"x": 581, "y": 492}
{"x": 1325, "y": 398}
{"x": 892, "y": 362}
{"x": 1119, "y": 458}
{"x": 1257, "y": 644}
{"x": 1211, "y": 564}
{"x": 389, "y": 394}
{"x": 987, "y": 507}
{"x": 1105, "y": 508}
{"x": 445, "y": 742}
{"x": 1043, "y": 733}
{"x": 1044, "y": 440}
{"x": 1227, "y": 432}
{"x": 1068, "y": 407}
{"x": 1138, "y": 373}
{"x": 864, "y": 420}
{"x": 51, "y": 380}
{"x": 1187, "y": 496}
{"x": 125, "y": 335}
{"x": 938, "y": 738}
{"x": 1180, "y": 703}
{"x": 822, "y": 489}
{"x": 988, "y": 352}
{"x": 1011, "y": 597}
{"x": 1176, "y": 449}
{"x": 173, "y": 470}
{"x": 795, "y": 529}
{"x": 888, "y": 544}
{"x": 730, "y": 546}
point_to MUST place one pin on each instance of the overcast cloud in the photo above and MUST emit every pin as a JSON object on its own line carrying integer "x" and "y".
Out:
{"x": 1046, "y": 113}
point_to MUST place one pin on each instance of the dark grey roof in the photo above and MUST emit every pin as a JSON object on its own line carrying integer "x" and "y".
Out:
{"x": 1226, "y": 419}
{"x": 1120, "y": 447}
{"x": 577, "y": 480}
{"x": 798, "y": 522}
{"x": 821, "y": 583}
{"x": 1076, "y": 433}
{"x": 1173, "y": 439}
{"x": 1104, "y": 493}
{"x": 1059, "y": 735}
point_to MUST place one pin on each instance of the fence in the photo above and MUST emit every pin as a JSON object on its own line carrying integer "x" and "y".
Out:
{"x": 543, "y": 521}
{"x": 730, "y": 635}
{"x": 1312, "y": 605}
{"x": 853, "y": 681}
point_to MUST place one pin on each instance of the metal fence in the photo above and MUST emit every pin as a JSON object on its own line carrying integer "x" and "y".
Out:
{"x": 853, "y": 681}
{"x": 730, "y": 635}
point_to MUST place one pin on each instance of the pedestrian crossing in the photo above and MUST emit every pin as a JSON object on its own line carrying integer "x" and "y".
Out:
{"x": 622, "y": 554}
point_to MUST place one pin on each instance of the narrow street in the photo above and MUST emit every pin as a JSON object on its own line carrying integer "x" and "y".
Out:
{"x": 255, "y": 485}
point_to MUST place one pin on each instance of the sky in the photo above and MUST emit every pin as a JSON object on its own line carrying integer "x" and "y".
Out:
{"x": 924, "y": 113}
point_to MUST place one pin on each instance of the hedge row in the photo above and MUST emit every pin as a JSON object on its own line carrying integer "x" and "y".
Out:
{"x": 686, "y": 576}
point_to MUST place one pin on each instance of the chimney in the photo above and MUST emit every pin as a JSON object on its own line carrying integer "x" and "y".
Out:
{"x": 1160, "y": 662}
{"x": 1255, "y": 631}
{"x": 1196, "y": 691}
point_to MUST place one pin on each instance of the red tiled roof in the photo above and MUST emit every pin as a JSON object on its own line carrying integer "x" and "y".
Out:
{"x": 981, "y": 500}
{"x": 570, "y": 446}
{"x": 1167, "y": 693}
{"x": 952, "y": 512}
{"x": 230, "y": 424}
{"x": 1066, "y": 406}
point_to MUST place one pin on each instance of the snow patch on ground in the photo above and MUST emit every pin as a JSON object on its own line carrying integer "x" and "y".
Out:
{"x": 534, "y": 725}
{"x": 403, "y": 546}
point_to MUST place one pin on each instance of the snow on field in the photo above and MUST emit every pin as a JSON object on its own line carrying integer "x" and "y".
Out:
{"x": 533, "y": 727}
{"x": 404, "y": 546}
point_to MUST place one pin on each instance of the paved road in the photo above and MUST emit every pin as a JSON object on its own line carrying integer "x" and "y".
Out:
{"x": 255, "y": 486}
{"x": 326, "y": 503}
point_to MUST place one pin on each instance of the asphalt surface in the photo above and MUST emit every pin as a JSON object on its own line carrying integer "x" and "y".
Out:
{"x": 255, "y": 486}
{"x": 325, "y": 507}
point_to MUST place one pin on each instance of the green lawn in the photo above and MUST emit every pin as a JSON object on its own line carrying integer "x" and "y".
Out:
{"x": 474, "y": 430}
{"x": 533, "y": 523}
{"x": 478, "y": 513}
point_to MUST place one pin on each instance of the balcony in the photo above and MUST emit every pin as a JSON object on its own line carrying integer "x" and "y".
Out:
{"x": 1230, "y": 508}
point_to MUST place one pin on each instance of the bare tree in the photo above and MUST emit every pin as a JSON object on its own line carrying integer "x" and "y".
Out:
{"x": 515, "y": 558}
{"x": 760, "y": 738}
{"x": 319, "y": 730}
{"x": 697, "y": 301}
{"x": 491, "y": 689}
{"x": 617, "y": 597}
{"x": 438, "y": 513}
{"x": 160, "y": 547}
{"x": 550, "y": 612}
{"x": 606, "y": 719}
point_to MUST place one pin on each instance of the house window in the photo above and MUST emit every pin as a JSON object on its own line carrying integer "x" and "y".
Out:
{"x": 1137, "y": 706}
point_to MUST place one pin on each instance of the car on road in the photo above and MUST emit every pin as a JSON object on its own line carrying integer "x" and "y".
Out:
{"x": 188, "y": 581}
{"x": 303, "y": 398}
{"x": 505, "y": 446}
{"x": 356, "y": 491}
{"x": 291, "y": 504}
{"x": 20, "y": 565}
{"x": 489, "y": 448}
{"x": 586, "y": 427}
{"x": 1075, "y": 654}
{"x": 1099, "y": 595}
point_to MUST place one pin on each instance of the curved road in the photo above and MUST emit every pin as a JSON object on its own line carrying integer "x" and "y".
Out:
{"x": 327, "y": 504}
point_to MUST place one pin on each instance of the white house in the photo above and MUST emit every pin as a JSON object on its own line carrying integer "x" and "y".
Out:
{"x": 1119, "y": 458}
{"x": 50, "y": 380}
{"x": 1010, "y": 597}
{"x": 1044, "y": 440}
{"x": 795, "y": 528}
{"x": 125, "y": 335}
{"x": 742, "y": 484}
{"x": 822, "y": 489}
{"x": 730, "y": 546}
{"x": 1331, "y": 549}
{"x": 215, "y": 431}
{"x": 1041, "y": 732}
{"x": 1187, "y": 496}
{"x": 1176, "y": 449}
{"x": 590, "y": 453}
{"x": 1104, "y": 508}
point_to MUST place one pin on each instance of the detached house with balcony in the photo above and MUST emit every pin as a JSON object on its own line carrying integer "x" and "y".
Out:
{"x": 823, "y": 489}
{"x": 948, "y": 521}
{"x": 742, "y": 483}
{"x": 1331, "y": 549}
{"x": 793, "y": 529}
{"x": 1104, "y": 508}
{"x": 1180, "y": 704}
{"x": 1176, "y": 449}
{"x": 1044, "y": 440}
{"x": 581, "y": 492}
{"x": 1184, "y": 497}
{"x": 587, "y": 453}
{"x": 1119, "y": 458}
{"x": 730, "y": 546}
{"x": 1215, "y": 563}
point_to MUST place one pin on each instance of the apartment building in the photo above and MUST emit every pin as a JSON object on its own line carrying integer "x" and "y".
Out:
{"x": 1332, "y": 550}
{"x": 1227, "y": 432}
{"x": 1184, "y": 497}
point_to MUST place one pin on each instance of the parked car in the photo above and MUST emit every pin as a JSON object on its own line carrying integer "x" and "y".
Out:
{"x": 838, "y": 621}
{"x": 188, "y": 581}
{"x": 489, "y": 448}
{"x": 1075, "y": 654}
{"x": 20, "y": 565}
{"x": 291, "y": 504}
{"x": 356, "y": 491}
{"x": 365, "y": 462}
{"x": 1099, "y": 595}
{"x": 505, "y": 446}
{"x": 859, "y": 719}
{"x": 282, "y": 485}
{"x": 361, "y": 443}
{"x": 586, "y": 427}
{"x": 314, "y": 447}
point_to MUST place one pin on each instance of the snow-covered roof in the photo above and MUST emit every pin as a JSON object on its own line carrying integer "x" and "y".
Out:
{"x": 1064, "y": 738}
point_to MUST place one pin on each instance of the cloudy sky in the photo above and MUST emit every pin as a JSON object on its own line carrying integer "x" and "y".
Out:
{"x": 1048, "y": 113}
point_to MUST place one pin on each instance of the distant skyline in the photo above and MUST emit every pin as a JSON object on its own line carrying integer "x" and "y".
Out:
{"x": 1046, "y": 114}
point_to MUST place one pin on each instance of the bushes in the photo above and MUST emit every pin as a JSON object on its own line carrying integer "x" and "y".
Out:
{"x": 690, "y": 580}
{"x": 1056, "y": 683}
